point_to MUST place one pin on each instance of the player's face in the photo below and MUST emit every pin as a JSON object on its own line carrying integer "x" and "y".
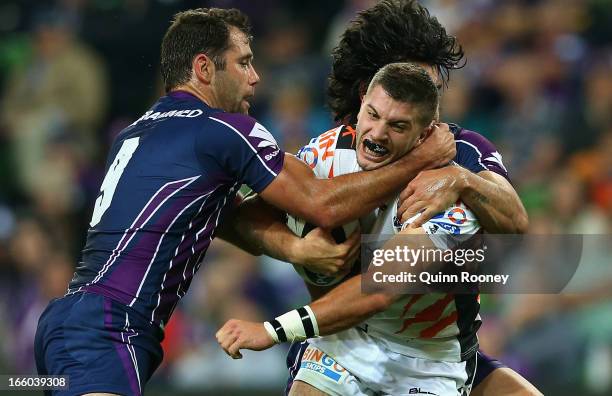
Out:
{"x": 235, "y": 85}
{"x": 386, "y": 129}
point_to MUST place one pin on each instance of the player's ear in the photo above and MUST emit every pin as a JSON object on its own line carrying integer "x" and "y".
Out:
{"x": 425, "y": 133}
{"x": 203, "y": 68}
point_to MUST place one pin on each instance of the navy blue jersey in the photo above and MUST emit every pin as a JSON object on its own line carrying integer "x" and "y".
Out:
{"x": 476, "y": 153}
{"x": 171, "y": 177}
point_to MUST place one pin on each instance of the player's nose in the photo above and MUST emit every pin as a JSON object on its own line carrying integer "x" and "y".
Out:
{"x": 378, "y": 133}
{"x": 253, "y": 76}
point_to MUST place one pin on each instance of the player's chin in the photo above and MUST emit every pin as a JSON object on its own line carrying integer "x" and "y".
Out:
{"x": 371, "y": 162}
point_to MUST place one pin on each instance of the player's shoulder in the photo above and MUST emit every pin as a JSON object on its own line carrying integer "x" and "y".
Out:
{"x": 342, "y": 137}
{"x": 245, "y": 127}
{"x": 469, "y": 139}
{"x": 332, "y": 153}
{"x": 476, "y": 152}
{"x": 347, "y": 137}
{"x": 233, "y": 121}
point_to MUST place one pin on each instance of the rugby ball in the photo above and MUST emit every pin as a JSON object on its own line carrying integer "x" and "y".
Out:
{"x": 301, "y": 228}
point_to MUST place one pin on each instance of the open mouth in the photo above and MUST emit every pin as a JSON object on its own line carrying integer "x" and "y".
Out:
{"x": 374, "y": 149}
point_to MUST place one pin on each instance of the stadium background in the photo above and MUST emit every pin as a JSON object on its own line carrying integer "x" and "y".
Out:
{"x": 538, "y": 83}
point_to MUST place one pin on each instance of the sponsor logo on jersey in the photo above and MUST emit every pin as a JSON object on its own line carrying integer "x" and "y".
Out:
{"x": 268, "y": 157}
{"x": 457, "y": 215}
{"x": 316, "y": 360}
{"x": 150, "y": 115}
{"x": 309, "y": 155}
{"x": 449, "y": 227}
{"x": 496, "y": 157}
{"x": 267, "y": 140}
{"x": 432, "y": 228}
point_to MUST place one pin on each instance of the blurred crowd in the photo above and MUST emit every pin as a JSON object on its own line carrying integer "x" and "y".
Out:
{"x": 537, "y": 82}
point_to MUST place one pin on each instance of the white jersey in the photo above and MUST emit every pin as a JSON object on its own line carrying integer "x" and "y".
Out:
{"x": 433, "y": 326}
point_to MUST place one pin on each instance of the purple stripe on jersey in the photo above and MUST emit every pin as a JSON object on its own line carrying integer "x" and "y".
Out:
{"x": 189, "y": 251}
{"x": 129, "y": 274}
{"x": 177, "y": 283}
{"x": 178, "y": 271}
{"x": 145, "y": 214}
{"x": 121, "y": 348}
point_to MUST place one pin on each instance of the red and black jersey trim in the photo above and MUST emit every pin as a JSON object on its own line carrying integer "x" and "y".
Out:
{"x": 347, "y": 138}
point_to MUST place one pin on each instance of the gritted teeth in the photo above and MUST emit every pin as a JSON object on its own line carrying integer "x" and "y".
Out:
{"x": 375, "y": 148}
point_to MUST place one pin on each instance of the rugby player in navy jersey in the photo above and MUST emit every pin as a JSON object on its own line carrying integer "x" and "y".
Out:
{"x": 171, "y": 180}
{"x": 411, "y": 34}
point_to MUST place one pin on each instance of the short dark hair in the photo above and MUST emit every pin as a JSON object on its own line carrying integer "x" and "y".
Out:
{"x": 409, "y": 83}
{"x": 391, "y": 31}
{"x": 197, "y": 31}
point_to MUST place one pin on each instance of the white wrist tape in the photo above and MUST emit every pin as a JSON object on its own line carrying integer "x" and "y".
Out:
{"x": 296, "y": 325}
{"x": 270, "y": 329}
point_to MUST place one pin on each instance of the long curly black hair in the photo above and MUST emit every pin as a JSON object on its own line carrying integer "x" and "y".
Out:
{"x": 391, "y": 31}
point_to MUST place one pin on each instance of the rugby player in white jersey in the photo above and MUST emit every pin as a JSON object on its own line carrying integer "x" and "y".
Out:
{"x": 435, "y": 354}
{"x": 412, "y": 34}
{"x": 423, "y": 343}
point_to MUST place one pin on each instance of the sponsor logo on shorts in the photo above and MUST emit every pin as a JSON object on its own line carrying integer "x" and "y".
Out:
{"x": 317, "y": 360}
{"x": 419, "y": 391}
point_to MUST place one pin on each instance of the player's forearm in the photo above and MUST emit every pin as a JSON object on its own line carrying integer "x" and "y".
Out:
{"x": 344, "y": 198}
{"x": 259, "y": 228}
{"x": 494, "y": 202}
{"x": 341, "y": 309}
{"x": 346, "y": 306}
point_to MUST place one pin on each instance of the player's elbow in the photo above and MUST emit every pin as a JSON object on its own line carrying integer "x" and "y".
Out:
{"x": 521, "y": 223}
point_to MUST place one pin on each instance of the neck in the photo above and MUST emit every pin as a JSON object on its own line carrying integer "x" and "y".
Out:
{"x": 203, "y": 95}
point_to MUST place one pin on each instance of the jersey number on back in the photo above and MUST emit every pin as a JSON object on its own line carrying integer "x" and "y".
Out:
{"x": 112, "y": 179}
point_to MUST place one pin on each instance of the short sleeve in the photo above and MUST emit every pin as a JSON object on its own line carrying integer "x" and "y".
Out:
{"x": 331, "y": 154}
{"x": 477, "y": 154}
{"x": 242, "y": 148}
